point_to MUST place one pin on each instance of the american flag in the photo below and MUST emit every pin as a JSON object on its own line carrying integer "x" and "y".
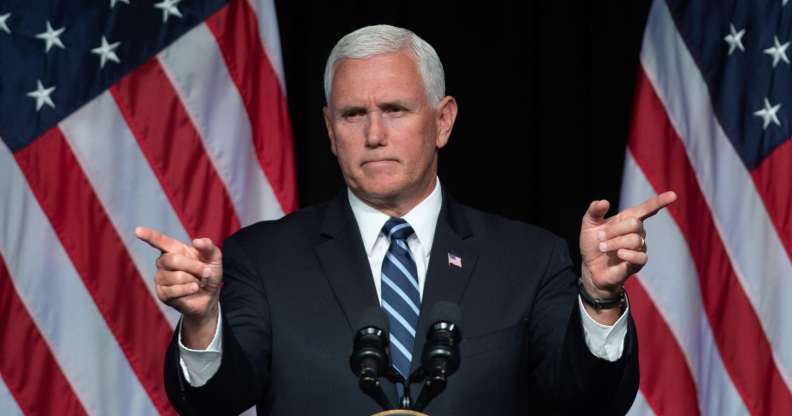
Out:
{"x": 454, "y": 260}
{"x": 117, "y": 113}
{"x": 712, "y": 121}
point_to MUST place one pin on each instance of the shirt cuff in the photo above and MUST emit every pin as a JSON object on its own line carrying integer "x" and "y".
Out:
{"x": 604, "y": 341}
{"x": 198, "y": 366}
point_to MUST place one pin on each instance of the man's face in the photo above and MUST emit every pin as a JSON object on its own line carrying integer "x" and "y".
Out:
{"x": 383, "y": 130}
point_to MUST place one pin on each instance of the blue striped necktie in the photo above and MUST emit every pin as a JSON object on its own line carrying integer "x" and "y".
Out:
{"x": 401, "y": 299}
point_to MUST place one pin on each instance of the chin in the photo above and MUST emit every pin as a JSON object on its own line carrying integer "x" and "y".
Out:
{"x": 384, "y": 190}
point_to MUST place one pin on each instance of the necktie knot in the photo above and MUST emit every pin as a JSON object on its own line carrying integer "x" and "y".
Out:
{"x": 397, "y": 229}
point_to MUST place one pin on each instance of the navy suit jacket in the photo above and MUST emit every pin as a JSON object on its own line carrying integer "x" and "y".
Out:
{"x": 294, "y": 290}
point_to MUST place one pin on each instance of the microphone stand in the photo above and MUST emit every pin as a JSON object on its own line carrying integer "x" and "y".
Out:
{"x": 370, "y": 384}
{"x": 396, "y": 378}
{"x": 433, "y": 385}
{"x": 440, "y": 359}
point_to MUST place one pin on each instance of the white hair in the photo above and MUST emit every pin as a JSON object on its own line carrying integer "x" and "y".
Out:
{"x": 381, "y": 39}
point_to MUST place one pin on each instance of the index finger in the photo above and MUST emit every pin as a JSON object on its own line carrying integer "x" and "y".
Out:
{"x": 158, "y": 240}
{"x": 651, "y": 206}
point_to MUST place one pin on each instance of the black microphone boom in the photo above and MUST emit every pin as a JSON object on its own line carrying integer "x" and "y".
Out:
{"x": 370, "y": 354}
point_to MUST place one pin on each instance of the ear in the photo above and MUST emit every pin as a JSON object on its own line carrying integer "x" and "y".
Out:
{"x": 328, "y": 119}
{"x": 446, "y": 115}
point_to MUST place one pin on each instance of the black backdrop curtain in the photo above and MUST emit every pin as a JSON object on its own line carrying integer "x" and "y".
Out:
{"x": 544, "y": 90}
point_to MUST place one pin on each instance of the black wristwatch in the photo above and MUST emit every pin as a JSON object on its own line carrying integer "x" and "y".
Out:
{"x": 598, "y": 304}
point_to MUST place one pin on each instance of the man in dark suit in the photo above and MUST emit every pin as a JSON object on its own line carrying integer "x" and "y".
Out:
{"x": 270, "y": 320}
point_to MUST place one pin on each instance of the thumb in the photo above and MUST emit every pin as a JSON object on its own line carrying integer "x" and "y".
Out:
{"x": 595, "y": 214}
{"x": 207, "y": 251}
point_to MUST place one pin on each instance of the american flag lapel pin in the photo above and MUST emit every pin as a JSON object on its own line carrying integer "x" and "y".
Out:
{"x": 454, "y": 260}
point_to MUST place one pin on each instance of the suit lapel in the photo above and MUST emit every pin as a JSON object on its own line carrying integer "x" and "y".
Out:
{"x": 344, "y": 261}
{"x": 343, "y": 258}
{"x": 445, "y": 281}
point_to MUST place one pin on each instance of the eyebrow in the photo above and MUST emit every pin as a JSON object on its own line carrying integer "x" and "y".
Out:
{"x": 381, "y": 106}
{"x": 392, "y": 104}
{"x": 350, "y": 109}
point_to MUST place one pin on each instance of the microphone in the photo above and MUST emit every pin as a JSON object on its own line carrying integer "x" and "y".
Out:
{"x": 370, "y": 357}
{"x": 440, "y": 358}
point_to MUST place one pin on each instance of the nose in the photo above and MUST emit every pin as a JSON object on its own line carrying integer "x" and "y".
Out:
{"x": 376, "y": 133}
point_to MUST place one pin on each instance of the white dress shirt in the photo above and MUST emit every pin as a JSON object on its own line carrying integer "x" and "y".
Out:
{"x": 604, "y": 341}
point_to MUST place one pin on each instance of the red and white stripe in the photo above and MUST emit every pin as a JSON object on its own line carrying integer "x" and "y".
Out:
{"x": 640, "y": 407}
{"x": 712, "y": 305}
{"x": 7, "y": 402}
{"x": 677, "y": 346}
{"x": 195, "y": 142}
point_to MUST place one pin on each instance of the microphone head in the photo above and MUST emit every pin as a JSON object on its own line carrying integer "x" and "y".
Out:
{"x": 370, "y": 351}
{"x": 440, "y": 357}
{"x": 374, "y": 317}
{"x": 370, "y": 358}
{"x": 447, "y": 312}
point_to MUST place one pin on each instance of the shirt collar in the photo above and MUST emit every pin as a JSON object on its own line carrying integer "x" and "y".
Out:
{"x": 422, "y": 218}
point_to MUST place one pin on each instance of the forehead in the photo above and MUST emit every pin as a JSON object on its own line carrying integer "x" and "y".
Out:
{"x": 379, "y": 77}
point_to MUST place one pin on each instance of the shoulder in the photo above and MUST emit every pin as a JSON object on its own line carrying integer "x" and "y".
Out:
{"x": 511, "y": 243}
{"x": 489, "y": 226}
{"x": 298, "y": 225}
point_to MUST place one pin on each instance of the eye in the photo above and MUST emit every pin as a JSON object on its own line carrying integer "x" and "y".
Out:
{"x": 394, "y": 110}
{"x": 353, "y": 113}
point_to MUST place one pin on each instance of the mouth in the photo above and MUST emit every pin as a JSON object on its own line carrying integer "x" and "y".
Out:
{"x": 379, "y": 162}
